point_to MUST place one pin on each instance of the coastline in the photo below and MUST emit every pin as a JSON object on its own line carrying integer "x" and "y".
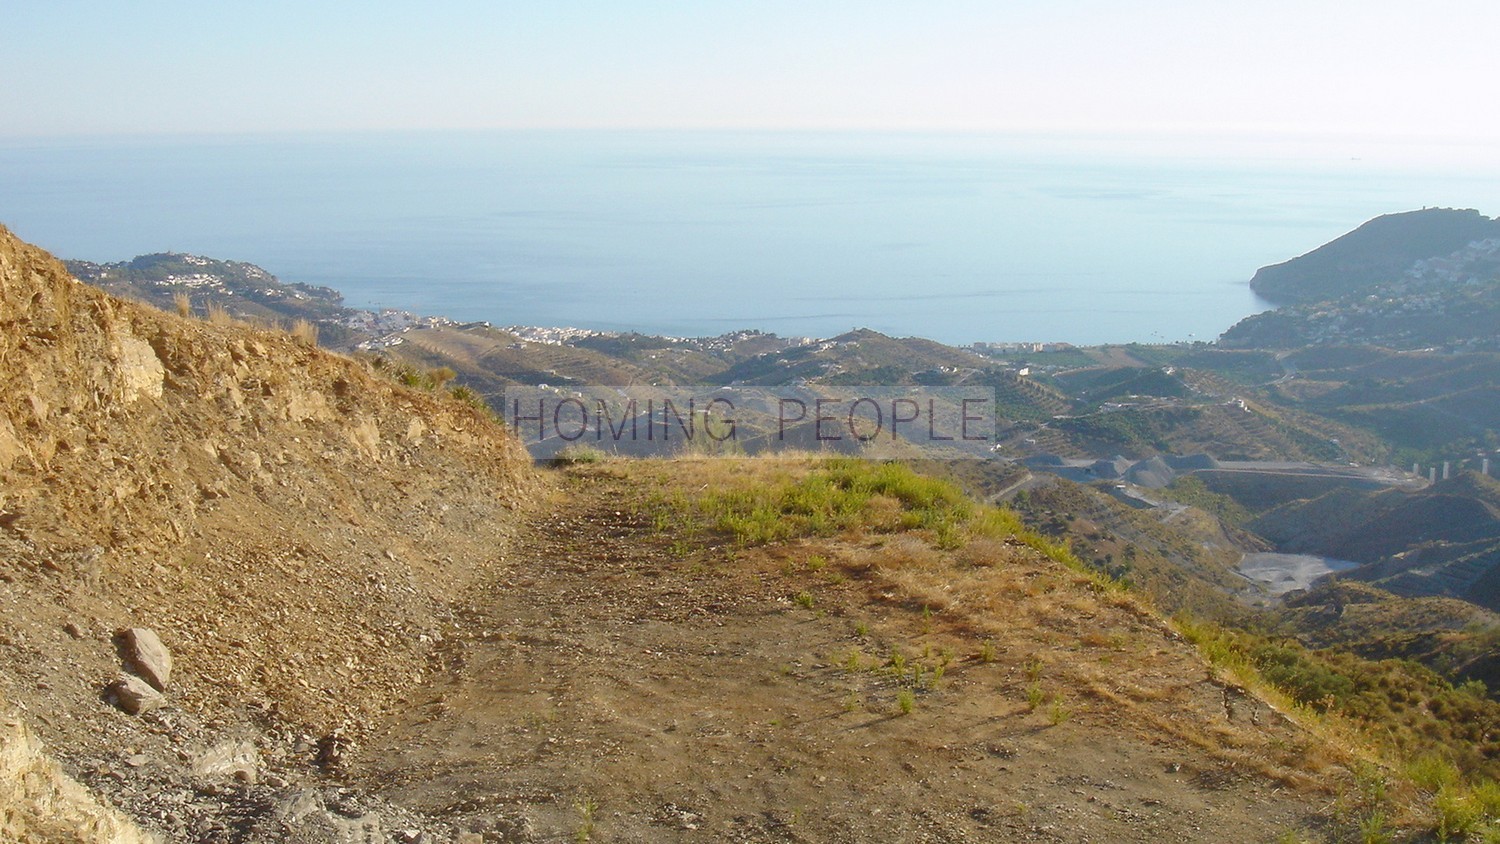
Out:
{"x": 722, "y": 232}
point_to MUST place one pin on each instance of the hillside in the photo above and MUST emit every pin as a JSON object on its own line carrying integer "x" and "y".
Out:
{"x": 168, "y": 279}
{"x": 1422, "y": 280}
{"x": 1379, "y": 251}
{"x": 1454, "y": 636}
{"x": 292, "y": 527}
{"x": 856, "y": 357}
{"x": 1181, "y": 557}
{"x": 1429, "y": 406}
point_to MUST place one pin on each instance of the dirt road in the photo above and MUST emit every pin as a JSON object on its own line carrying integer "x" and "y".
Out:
{"x": 615, "y": 685}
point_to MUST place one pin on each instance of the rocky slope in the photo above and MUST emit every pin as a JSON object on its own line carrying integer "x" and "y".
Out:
{"x": 293, "y": 528}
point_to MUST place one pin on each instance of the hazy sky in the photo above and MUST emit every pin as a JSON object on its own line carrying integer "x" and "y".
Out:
{"x": 1363, "y": 69}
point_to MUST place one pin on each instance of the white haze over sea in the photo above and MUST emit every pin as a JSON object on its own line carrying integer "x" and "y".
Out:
{"x": 952, "y": 237}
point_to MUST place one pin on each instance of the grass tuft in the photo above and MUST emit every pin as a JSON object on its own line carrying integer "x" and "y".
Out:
{"x": 305, "y": 331}
{"x": 906, "y": 701}
{"x": 1035, "y": 697}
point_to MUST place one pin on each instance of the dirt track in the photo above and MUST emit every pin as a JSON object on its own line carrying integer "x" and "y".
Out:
{"x": 615, "y": 684}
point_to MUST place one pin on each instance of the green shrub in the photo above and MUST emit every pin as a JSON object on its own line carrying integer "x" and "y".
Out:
{"x": 468, "y": 396}
{"x": 1487, "y": 795}
{"x": 1458, "y": 814}
{"x": 1432, "y": 772}
{"x": 1306, "y": 680}
{"x": 1372, "y": 830}
{"x": 838, "y": 496}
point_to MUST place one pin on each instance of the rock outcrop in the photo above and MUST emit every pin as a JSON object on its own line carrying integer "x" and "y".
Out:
{"x": 38, "y": 802}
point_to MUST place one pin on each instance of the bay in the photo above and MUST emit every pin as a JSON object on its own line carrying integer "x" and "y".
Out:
{"x": 953, "y": 237}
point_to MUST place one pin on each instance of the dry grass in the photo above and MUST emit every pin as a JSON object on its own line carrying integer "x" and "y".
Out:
{"x": 306, "y": 331}
{"x": 983, "y": 582}
{"x": 183, "y": 304}
{"x": 218, "y": 314}
{"x": 984, "y": 551}
{"x": 1004, "y": 598}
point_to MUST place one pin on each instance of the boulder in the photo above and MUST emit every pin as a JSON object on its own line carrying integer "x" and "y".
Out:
{"x": 147, "y": 656}
{"x": 135, "y": 696}
{"x": 237, "y": 760}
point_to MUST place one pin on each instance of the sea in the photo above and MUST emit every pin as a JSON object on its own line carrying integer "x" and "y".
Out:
{"x": 954, "y": 237}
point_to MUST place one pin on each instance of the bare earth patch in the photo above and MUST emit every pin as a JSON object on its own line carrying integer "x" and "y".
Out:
{"x": 615, "y": 683}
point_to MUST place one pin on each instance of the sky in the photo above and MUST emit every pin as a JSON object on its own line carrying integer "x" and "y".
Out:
{"x": 1400, "y": 71}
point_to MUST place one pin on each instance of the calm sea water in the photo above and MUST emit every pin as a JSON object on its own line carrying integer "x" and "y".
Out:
{"x": 954, "y": 238}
